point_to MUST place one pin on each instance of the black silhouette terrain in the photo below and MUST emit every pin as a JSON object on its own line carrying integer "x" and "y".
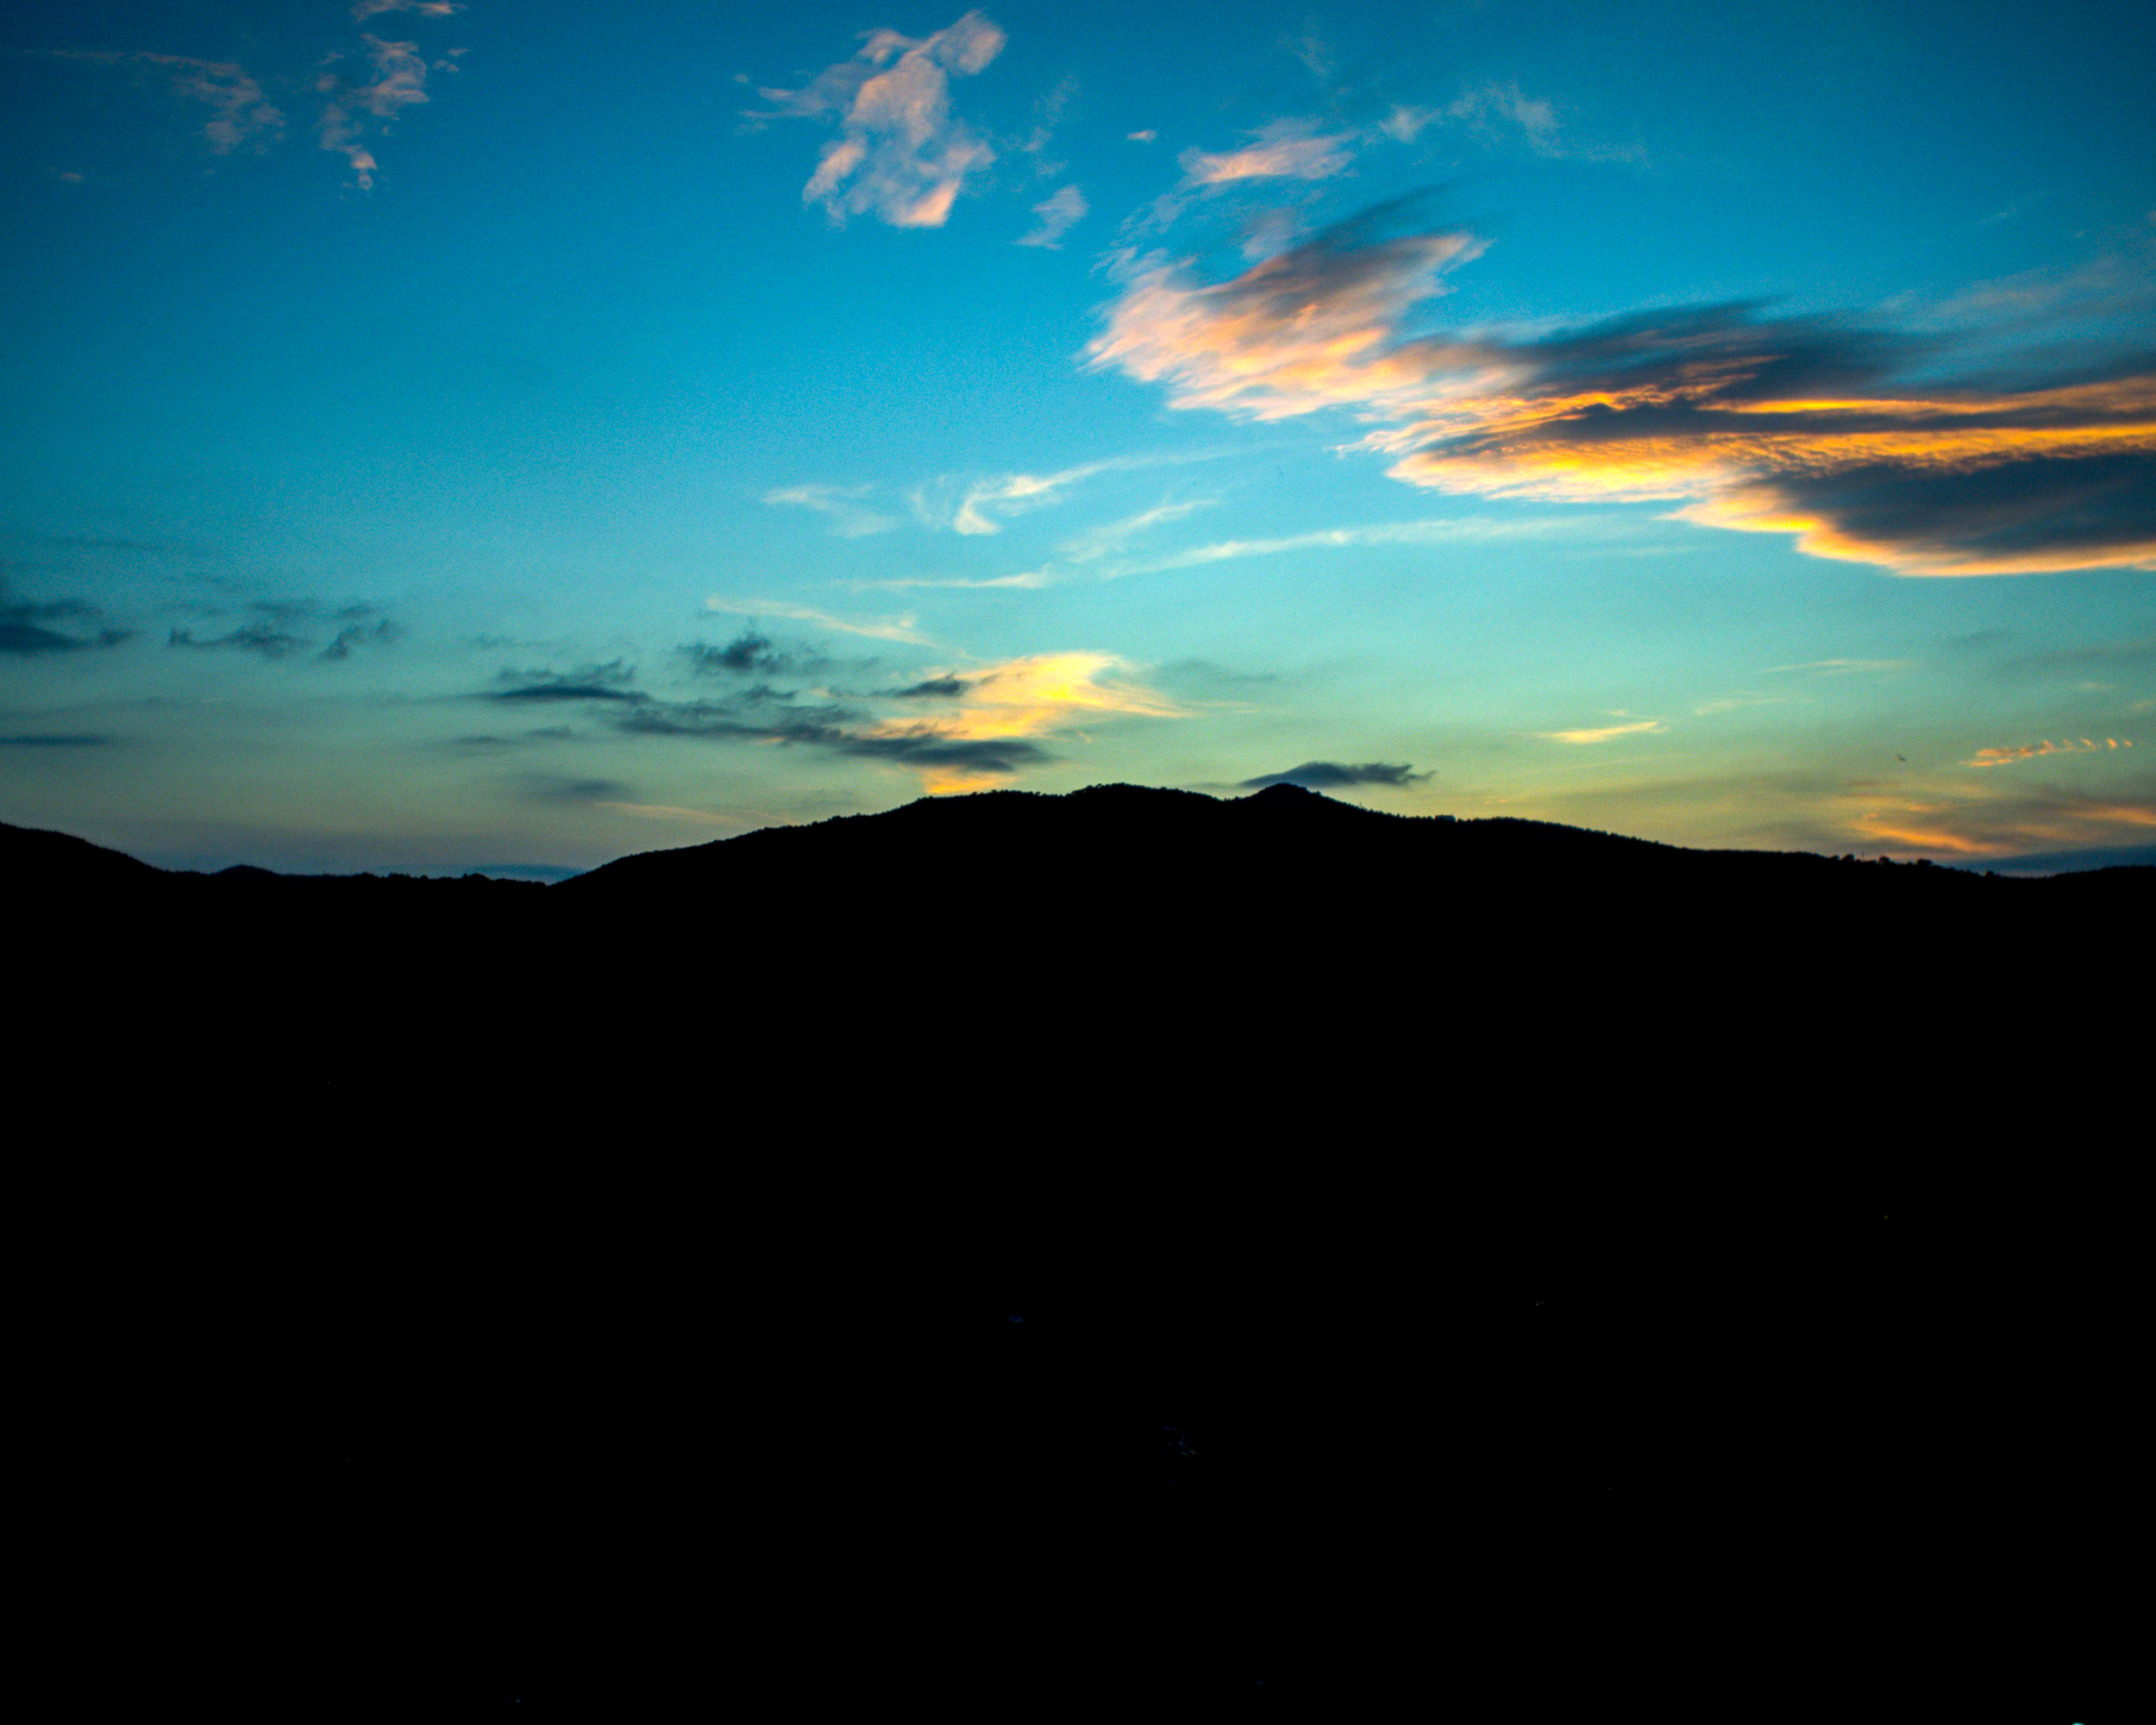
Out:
{"x": 1477, "y": 1260}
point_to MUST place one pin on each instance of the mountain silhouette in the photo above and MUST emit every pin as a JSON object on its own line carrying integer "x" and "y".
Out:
{"x": 537, "y": 1267}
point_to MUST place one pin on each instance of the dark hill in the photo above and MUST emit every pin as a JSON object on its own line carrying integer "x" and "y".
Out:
{"x": 1156, "y": 954}
{"x": 1478, "y": 1260}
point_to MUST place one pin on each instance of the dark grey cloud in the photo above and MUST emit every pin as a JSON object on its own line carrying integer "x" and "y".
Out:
{"x": 59, "y": 740}
{"x": 748, "y": 653}
{"x": 606, "y": 682}
{"x": 23, "y": 633}
{"x": 1318, "y": 776}
{"x": 269, "y": 635}
{"x": 358, "y": 634}
{"x": 263, "y": 639}
{"x": 550, "y": 787}
{"x": 932, "y": 689}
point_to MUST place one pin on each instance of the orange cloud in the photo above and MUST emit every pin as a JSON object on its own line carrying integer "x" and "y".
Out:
{"x": 1757, "y": 425}
{"x": 2029, "y": 751}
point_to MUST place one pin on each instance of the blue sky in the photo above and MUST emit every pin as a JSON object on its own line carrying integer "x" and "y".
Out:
{"x": 509, "y": 437}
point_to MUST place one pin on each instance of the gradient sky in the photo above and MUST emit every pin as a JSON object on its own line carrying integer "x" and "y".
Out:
{"x": 509, "y": 435}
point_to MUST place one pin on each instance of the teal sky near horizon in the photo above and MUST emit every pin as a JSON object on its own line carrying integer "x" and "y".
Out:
{"x": 451, "y": 436}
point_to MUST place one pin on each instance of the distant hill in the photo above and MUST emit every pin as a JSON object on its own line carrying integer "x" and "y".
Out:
{"x": 1113, "y": 937}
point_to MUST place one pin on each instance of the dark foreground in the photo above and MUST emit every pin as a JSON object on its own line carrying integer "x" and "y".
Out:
{"x": 1479, "y": 1266}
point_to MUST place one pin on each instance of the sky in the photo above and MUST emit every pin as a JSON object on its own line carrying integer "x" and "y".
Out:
{"x": 451, "y": 434}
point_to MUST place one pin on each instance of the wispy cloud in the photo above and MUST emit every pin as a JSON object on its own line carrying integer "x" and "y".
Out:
{"x": 1465, "y": 527}
{"x": 899, "y": 156}
{"x": 1843, "y": 667}
{"x": 425, "y": 8}
{"x": 352, "y": 112}
{"x": 1282, "y": 149}
{"x": 876, "y": 628}
{"x": 1761, "y": 424}
{"x": 1604, "y": 733}
{"x": 1116, "y": 535}
{"x": 1491, "y": 107}
{"x": 1057, "y": 216}
{"x": 850, "y": 519}
{"x": 1287, "y": 149}
{"x": 242, "y": 116}
{"x": 2030, "y": 751}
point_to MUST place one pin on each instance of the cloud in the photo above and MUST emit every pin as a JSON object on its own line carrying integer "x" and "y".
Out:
{"x": 58, "y": 740}
{"x": 353, "y": 635}
{"x": 1145, "y": 137}
{"x": 400, "y": 82}
{"x": 1843, "y": 667}
{"x": 1603, "y": 733}
{"x": 900, "y": 153}
{"x": 1280, "y": 150}
{"x": 746, "y": 653}
{"x": 607, "y": 683}
{"x": 265, "y": 640}
{"x": 2036, "y": 818}
{"x": 2029, "y": 751}
{"x": 1115, "y": 536}
{"x": 1315, "y": 326}
{"x": 876, "y": 628}
{"x": 1318, "y": 776}
{"x": 552, "y": 787}
{"x": 1747, "y": 422}
{"x": 243, "y": 115}
{"x": 1491, "y": 107}
{"x": 988, "y": 737}
{"x": 1283, "y": 149}
{"x": 852, "y": 521}
{"x": 270, "y": 637}
{"x": 932, "y": 689}
{"x": 425, "y": 8}
{"x": 24, "y": 636}
{"x": 1058, "y": 215}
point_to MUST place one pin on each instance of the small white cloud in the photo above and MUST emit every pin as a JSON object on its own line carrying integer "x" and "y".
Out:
{"x": 1145, "y": 137}
{"x": 1057, "y": 216}
{"x": 1603, "y": 733}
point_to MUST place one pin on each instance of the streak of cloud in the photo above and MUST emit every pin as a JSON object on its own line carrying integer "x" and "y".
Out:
{"x": 850, "y": 520}
{"x": 900, "y": 155}
{"x": 2029, "y": 751}
{"x": 1604, "y": 733}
